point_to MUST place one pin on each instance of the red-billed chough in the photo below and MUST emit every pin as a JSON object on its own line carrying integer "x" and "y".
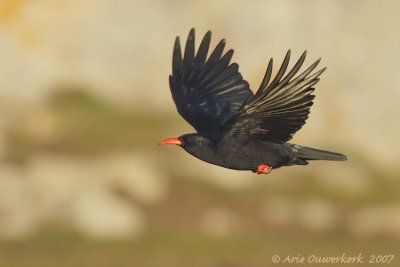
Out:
{"x": 237, "y": 129}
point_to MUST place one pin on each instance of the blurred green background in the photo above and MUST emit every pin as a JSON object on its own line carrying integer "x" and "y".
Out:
{"x": 84, "y": 99}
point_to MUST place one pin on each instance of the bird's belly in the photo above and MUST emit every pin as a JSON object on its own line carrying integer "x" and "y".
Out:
{"x": 250, "y": 156}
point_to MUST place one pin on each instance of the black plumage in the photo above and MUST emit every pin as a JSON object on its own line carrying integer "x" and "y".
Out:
{"x": 235, "y": 128}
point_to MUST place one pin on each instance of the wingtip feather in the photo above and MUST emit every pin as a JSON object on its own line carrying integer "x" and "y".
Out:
{"x": 177, "y": 58}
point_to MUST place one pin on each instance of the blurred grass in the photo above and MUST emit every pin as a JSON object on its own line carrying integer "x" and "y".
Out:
{"x": 165, "y": 247}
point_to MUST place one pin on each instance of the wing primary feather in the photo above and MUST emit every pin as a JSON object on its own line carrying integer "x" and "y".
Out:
{"x": 188, "y": 57}
{"x": 295, "y": 69}
{"x": 281, "y": 72}
{"x": 201, "y": 55}
{"x": 306, "y": 72}
{"x": 203, "y": 49}
{"x": 297, "y": 84}
{"x": 305, "y": 83}
{"x": 296, "y": 87}
{"x": 293, "y": 90}
{"x": 177, "y": 60}
{"x": 317, "y": 74}
{"x": 275, "y": 90}
{"x": 266, "y": 78}
{"x": 295, "y": 104}
{"x": 284, "y": 105}
{"x": 212, "y": 60}
{"x": 218, "y": 68}
{"x": 227, "y": 57}
{"x": 216, "y": 54}
{"x": 227, "y": 75}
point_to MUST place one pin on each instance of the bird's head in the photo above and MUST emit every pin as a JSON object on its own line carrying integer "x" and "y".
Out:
{"x": 189, "y": 142}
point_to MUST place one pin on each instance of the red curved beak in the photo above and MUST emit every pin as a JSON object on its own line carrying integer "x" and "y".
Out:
{"x": 171, "y": 141}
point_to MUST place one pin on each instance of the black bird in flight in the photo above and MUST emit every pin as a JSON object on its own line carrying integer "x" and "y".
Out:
{"x": 237, "y": 129}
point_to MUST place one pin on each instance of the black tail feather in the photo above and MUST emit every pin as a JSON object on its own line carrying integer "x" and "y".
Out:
{"x": 306, "y": 153}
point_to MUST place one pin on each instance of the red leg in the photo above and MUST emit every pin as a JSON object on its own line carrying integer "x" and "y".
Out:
{"x": 263, "y": 169}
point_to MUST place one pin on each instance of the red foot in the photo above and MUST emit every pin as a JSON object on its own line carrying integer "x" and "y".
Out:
{"x": 263, "y": 169}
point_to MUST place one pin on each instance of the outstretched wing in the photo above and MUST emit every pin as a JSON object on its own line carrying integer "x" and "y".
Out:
{"x": 280, "y": 107}
{"x": 207, "y": 92}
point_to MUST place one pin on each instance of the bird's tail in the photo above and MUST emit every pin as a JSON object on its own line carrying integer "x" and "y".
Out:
{"x": 307, "y": 153}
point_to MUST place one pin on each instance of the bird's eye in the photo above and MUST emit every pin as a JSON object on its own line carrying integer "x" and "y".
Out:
{"x": 189, "y": 139}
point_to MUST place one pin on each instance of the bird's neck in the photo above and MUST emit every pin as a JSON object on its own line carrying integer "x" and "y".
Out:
{"x": 207, "y": 151}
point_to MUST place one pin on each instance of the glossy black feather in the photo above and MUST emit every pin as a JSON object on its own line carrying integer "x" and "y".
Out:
{"x": 280, "y": 107}
{"x": 207, "y": 92}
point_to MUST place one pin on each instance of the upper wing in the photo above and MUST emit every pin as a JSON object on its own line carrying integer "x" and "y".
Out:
{"x": 207, "y": 92}
{"x": 280, "y": 107}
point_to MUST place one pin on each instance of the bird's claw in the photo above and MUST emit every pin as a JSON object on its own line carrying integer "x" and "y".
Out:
{"x": 263, "y": 169}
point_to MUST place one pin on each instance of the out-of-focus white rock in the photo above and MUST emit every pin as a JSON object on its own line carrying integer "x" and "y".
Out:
{"x": 56, "y": 183}
{"x": 64, "y": 191}
{"x": 76, "y": 191}
{"x": 317, "y": 215}
{"x": 376, "y": 220}
{"x": 342, "y": 177}
{"x": 219, "y": 221}
{"x": 100, "y": 215}
{"x": 313, "y": 215}
{"x": 19, "y": 217}
{"x": 136, "y": 176}
{"x": 279, "y": 212}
